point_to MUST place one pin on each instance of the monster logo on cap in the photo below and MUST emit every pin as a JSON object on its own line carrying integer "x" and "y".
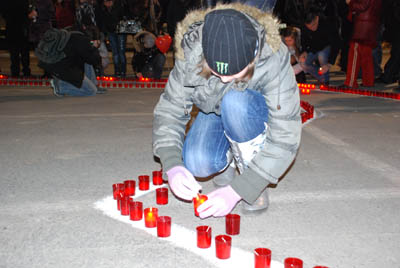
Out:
{"x": 222, "y": 67}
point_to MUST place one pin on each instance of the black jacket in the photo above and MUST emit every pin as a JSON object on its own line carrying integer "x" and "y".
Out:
{"x": 108, "y": 19}
{"x": 326, "y": 34}
{"x": 78, "y": 51}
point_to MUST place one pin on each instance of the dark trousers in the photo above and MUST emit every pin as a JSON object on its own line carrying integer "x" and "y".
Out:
{"x": 19, "y": 54}
{"x": 392, "y": 66}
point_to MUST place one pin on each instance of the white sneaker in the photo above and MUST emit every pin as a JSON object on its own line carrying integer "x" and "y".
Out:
{"x": 56, "y": 89}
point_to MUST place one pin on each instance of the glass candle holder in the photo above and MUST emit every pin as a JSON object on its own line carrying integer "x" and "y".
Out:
{"x": 162, "y": 196}
{"x": 124, "y": 204}
{"x": 130, "y": 187}
{"x": 203, "y": 236}
{"x": 144, "y": 182}
{"x": 293, "y": 263}
{"x": 150, "y": 217}
{"x": 223, "y": 245}
{"x": 136, "y": 210}
{"x": 197, "y": 201}
{"x": 163, "y": 226}
{"x": 262, "y": 258}
{"x": 118, "y": 190}
{"x": 157, "y": 178}
{"x": 232, "y": 224}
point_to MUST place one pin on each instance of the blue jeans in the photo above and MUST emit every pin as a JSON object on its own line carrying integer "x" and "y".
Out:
{"x": 88, "y": 87}
{"x": 312, "y": 68}
{"x": 264, "y": 5}
{"x": 242, "y": 118}
{"x": 118, "y": 47}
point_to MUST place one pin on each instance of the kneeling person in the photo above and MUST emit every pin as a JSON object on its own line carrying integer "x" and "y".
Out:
{"x": 69, "y": 57}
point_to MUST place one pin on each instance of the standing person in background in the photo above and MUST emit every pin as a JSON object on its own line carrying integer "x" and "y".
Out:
{"x": 17, "y": 30}
{"x": 65, "y": 13}
{"x": 43, "y": 17}
{"x": 111, "y": 12}
{"x": 85, "y": 14}
{"x": 365, "y": 15}
{"x": 392, "y": 21}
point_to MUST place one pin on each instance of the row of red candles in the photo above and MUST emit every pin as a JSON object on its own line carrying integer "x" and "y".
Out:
{"x": 102, "y": 78}
{"x": 123, "y": 192}
{"x": 102, "y": 84}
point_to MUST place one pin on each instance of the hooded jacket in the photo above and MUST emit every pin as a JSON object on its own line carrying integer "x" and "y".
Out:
{"x": 273, "y": 78}
{"x": 64, "y": 54}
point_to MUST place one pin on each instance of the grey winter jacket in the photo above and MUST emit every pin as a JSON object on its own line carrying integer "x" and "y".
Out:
{"x": 273, "y": 77}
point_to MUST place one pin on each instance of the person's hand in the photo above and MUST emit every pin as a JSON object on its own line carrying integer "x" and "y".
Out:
{"x": 220, "y": 203}
{"x": 139, "y": 75}
{"x": 324, "y": 68}
{"x": 182, "y": 183}
{"x": 348, "y": 1}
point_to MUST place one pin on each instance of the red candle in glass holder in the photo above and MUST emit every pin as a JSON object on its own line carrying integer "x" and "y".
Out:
{"x": 163, "y": 226}
{"x": 293, "y": 263}
{"x": 150, "y": 217}
{"x": 203, "y": 236}
{"x": 162, "y": 196}
{"x": 157, "y": 178}
{"x": 118, "y": 190}
{"x": 136, "y": 210}
{"x": 262, "y": 258}
{"x": 197, "y": 201}
{"x": 223, "y": 245}
{"x": 130, "y": 187}
{"x": 124, "y": 204}
{"x": 232, "y": 224}
{"x": 144, "y": 182}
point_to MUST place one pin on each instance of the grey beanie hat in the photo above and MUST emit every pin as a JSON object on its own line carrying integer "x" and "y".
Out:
{"x": 229, "y": 41}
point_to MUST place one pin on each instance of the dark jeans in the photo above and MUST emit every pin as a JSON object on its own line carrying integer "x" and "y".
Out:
{"x": 19, "y": 53}
{"x": 118, "y": 47}
{"x": 392, "y": 66}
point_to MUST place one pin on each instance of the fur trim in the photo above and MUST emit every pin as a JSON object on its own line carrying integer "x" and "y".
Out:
{"x": 270, "y": 23}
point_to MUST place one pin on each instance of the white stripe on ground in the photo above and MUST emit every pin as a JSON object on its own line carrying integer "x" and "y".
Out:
{"x": 366, "y": 160}
{"x": 183, "y": 238}
{"x": 38, "y": 116}
{"x": 339, "y": 195}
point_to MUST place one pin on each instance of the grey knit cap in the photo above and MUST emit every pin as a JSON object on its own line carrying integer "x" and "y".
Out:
{"x": 229, "y": 41}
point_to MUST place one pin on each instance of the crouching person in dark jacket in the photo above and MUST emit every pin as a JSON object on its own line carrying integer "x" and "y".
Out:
{"x": 69, "y": 57}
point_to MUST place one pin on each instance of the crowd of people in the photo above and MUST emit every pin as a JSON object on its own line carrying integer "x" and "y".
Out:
{"x": 316, "y": 32}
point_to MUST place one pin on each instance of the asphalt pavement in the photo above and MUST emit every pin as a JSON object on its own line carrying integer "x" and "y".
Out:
{"x": 337, "y": 206}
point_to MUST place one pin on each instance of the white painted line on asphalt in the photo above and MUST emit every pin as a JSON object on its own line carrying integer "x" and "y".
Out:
{"x": 366, "y": 160}
{"x": 183, "y": 237}
{"x": 37, "y": 116}
{"x": 337, "y": 195}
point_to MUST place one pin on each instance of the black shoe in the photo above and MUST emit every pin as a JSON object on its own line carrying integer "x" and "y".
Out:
{"x": 101, "y": 90}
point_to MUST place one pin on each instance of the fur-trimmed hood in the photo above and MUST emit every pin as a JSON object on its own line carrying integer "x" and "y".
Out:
{"x": 265, "y": 23}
